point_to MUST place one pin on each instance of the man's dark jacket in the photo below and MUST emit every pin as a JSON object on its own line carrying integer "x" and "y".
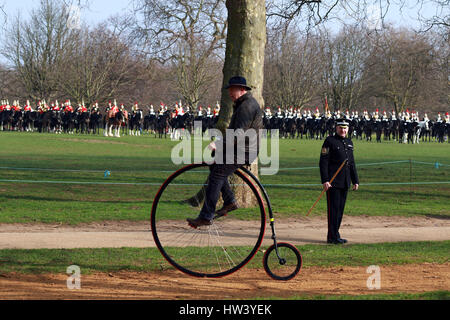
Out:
{"x": 335, "y": 150}
{"x": 247, "y": 114}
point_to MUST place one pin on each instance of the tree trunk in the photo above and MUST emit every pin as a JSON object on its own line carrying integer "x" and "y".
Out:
{"x": 244, "y": 56}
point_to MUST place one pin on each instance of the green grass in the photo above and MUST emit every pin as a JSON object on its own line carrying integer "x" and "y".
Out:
{"x": 150, "y": 259}
{"x": 140, "y": 164}
{"x": 434, "y": 295}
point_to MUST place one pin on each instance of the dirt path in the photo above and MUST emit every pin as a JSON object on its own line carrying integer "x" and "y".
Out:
{"x": 297, "y": 231}
{"x": 244, "y": 284}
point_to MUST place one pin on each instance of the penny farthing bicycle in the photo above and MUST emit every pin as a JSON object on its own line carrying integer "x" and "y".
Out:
{"x": 231, "y": 241}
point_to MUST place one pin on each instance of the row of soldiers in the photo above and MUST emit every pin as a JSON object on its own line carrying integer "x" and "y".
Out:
{"x": 407, "y": 115}
{"x": 43, "y": 106}
{"x": 180, "y": 110}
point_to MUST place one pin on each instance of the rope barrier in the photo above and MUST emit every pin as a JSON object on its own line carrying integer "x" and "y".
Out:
{"x": 171, "y": 171}
{"x": 107, "y": 173}
{"x": 201, "y": 184}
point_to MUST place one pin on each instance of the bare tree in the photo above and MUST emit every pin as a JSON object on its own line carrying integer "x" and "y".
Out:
{"x": 400, "y": 65}
{"x": 345, "y": 55}
{"x": 188, "y": 34}
{"x": 35, "y": 48}
{"x": 440, "y": 18}
{"x": 101, "y": 65}
{"x": 292, "y": 68}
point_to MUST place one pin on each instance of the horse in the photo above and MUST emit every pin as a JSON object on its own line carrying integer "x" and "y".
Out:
{"x": 6, "y": 119}
{"x": 28, "y": 120}
{"x": 45, "y": 121}
{"x": 17, "y": 122}
{"x": 290, "y": 125}
{"x": 136, "y": 122}
{"x": 150, "y": 122}
{"x": 68, "y": 122}
{"x": 94, "y": 121}
{"x": 425, "y": 131}
{"x": 301, "y": 126}
{"x": 56, "y": 122}
{"x": 162, "y": 125}
{"x": 367, "y": 126}
{"x": 114, "y": 122}
{"x": 378, "y": 126}
{"x": 83, "y": 121}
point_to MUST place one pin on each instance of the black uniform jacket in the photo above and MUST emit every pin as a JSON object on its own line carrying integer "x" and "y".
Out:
{"x": 335, "y": 150}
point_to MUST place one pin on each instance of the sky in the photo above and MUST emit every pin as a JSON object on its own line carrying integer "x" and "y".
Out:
{"x": 99, "y": 10}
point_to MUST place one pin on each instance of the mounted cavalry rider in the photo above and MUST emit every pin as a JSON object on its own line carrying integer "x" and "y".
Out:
{"x": 268, "y": 113}
{"x": 291, "y": 114}
{"x": 279, "y": 113}
{"x": 376, "y": 116}
{"x": 393, "y": 116}
{"x": 68, "y": 108}
{"x": 217, "y": 110}
{"x": 406, "y": 116}
{"x": 161, "y": 109}
{"x": 7, "y": 106}
{"x": 208, "y": 112}
{"x": 114, "y": 108}
{"x": 27, "y": 107}
{"x": 16, "y": 106}
{"x": 317, "y": 114}
{"x": 328, "y": 114}
{"x": 366, "y": 115}
{"x": 337, "y": 115}
{"x": 56, "y": 106}
{"x": 347, "y": 115}
{"x": 447, "y": 117}
{"x": 200, "y": 112}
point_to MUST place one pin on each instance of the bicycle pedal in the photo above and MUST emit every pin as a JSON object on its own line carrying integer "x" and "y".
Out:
{"x": 217, "y": 216}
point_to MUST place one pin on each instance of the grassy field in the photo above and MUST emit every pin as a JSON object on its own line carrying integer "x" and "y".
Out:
{"x": 64, "y": 178}
{"x": 73, "y": 179}
{"x": 150, "y": 259}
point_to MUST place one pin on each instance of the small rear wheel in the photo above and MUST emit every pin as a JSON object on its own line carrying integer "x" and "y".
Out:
{"x": 282, "y": 262}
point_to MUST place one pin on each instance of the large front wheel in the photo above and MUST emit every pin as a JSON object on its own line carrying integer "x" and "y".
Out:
{"x": 209, "y": 251}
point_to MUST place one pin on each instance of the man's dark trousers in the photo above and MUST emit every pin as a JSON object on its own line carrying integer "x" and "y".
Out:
{"x": 218, "y": 182}
{"x": 336, "y": 198}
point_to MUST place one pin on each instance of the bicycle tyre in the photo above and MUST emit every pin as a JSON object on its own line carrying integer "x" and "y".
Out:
{"x": 275, "y": 269}
{"x": 182, "y": 253}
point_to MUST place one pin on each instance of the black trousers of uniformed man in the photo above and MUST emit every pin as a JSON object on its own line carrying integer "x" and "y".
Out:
{"x": 336, "y": 198}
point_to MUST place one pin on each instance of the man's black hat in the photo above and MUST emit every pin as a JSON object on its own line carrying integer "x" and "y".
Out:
{"x": 238, "y": 81}
{"x": 342, "y": 123}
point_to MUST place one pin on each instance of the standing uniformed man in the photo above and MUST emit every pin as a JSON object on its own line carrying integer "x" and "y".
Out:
{"x": 335, "y": 150}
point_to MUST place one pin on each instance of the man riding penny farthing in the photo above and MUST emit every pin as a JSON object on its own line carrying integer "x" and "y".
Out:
{"x": 215, "y": 243}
